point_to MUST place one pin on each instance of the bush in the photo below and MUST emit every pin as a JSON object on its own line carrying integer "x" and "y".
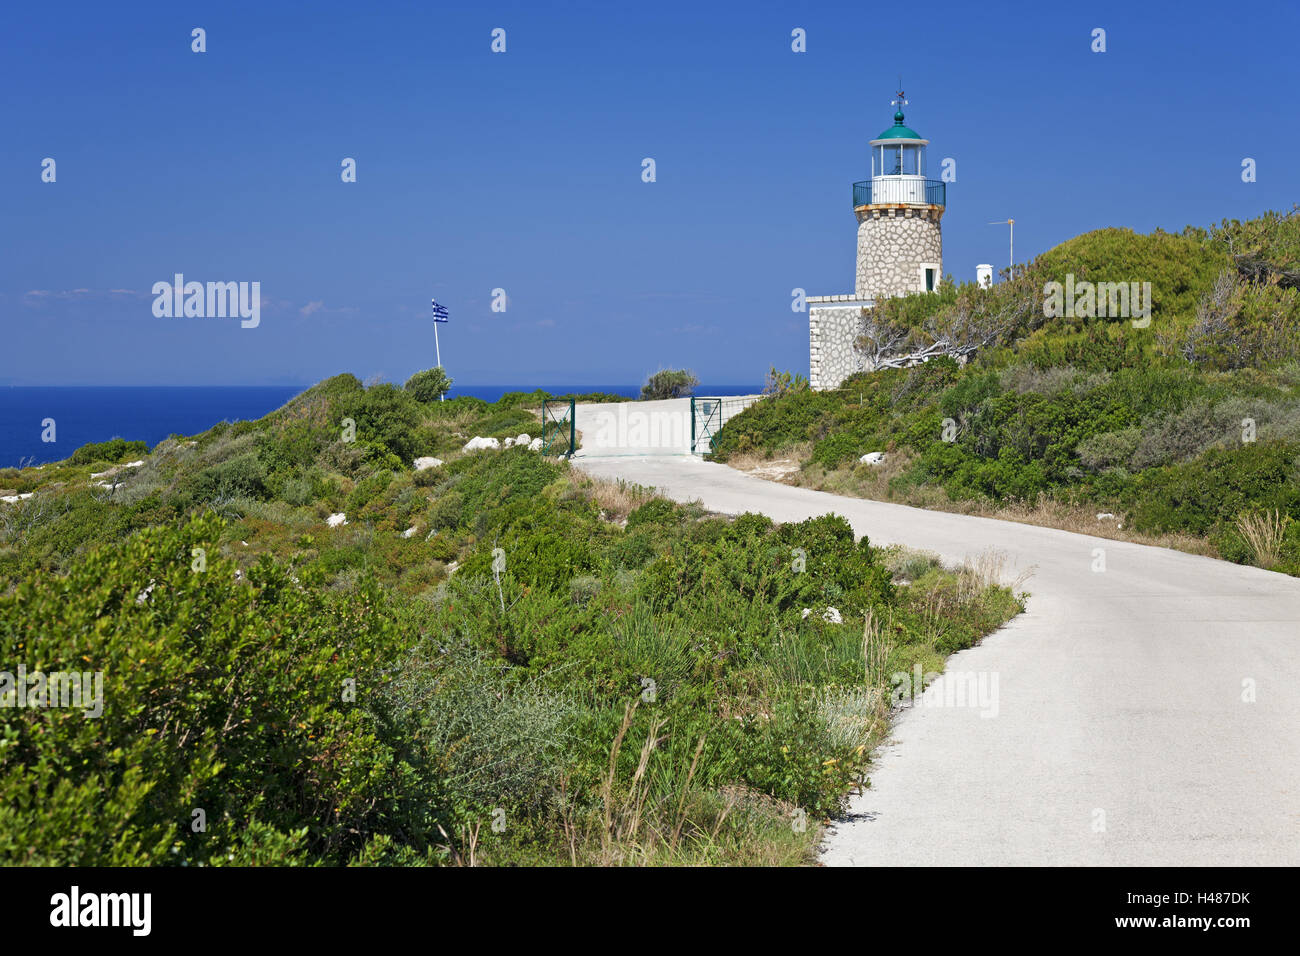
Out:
{"x": 387, "y": 419}
{"x": 216, "y": 695}
{"x": 669, "y": 383}
{"x": 428, "y": 385}
{"x": 242, "y": 477}
{"x": 113, "y": 450}
{"x": 1200, "y": 495}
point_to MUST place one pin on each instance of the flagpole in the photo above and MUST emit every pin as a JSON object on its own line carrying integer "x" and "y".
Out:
{"x": 438, "y": 349}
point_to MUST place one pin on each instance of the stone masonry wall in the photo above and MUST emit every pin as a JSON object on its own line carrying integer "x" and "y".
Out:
{"x": 832, "y": 330}
{"x": 892, "y": 245}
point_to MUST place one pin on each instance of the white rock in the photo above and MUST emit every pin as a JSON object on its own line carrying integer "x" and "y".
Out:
{"x": 335, "y": 520}
{"x": 832, "y": 616}
{"x": 873, "y": 458}
{"x": 14, "y": 499}
{"x": 1104, "y": 515}
{"x": 804, "y": 615}
{"x": 508, "y": 443}
{"x": 523, "y": 439}
{"x": 535, "y": 445}
{"x": 428, "y": 462}
{"x": 115, "y": 468}
{"x": 410, "y": 532}
{"x": 475, "y": 443}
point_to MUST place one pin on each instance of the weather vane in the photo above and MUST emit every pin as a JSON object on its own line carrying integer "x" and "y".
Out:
{"x": 901, "y": 100}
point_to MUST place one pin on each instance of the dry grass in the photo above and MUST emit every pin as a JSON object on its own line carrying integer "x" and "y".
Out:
{"x": 616, "y": 499}
{"x": 1263, "y": 533}
{"x": 784, "y": 469}
{"x": 988, "y": 569}
{"x": 685, "y": 825}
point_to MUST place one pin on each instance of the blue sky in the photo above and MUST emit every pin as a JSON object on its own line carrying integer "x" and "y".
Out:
{"x": 522, "y": 171}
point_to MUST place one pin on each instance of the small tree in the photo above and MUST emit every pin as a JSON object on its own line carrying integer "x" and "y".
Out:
{"x": 782, "y": 383}
{"x": 428, "y": 385}
{"x": 669, "y": 383}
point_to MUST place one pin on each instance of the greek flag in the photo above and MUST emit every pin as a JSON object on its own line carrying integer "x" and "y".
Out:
{"x": 439, "y": 311}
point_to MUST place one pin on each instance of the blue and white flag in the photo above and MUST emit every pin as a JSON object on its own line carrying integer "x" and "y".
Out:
{"x": 439, "y": 311}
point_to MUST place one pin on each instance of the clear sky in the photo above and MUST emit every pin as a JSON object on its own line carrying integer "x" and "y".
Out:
{"x": 522, "y": 170}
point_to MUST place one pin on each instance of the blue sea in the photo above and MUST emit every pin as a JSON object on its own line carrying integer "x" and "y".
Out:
{"x": 96, "y": 413}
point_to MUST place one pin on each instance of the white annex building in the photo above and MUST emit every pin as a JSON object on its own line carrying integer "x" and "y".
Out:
{"x": 900, "y": 249}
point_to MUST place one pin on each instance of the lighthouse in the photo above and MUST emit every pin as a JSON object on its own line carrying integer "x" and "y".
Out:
{"x": 899, "y": 249}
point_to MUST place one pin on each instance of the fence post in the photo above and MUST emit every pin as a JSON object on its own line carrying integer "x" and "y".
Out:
{"x": 572, "y": 416}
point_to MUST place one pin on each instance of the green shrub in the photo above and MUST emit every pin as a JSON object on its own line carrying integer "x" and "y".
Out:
{"x": 242, "y": 477}
{"x": 669, "y": 383}
{"x": 1199, "y": 495}
{"x": 217, "y": 696}
{"x": 386, "y": 419}
{"x": 113, "y": 450}
{"x": 428, "y": 385}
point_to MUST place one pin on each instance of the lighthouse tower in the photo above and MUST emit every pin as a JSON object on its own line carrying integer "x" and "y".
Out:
{"x": 900, "y": 248}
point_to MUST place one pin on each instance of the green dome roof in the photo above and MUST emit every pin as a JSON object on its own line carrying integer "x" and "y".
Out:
{"x": 898, "y": 130}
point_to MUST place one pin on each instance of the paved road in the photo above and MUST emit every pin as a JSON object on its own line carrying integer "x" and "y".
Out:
{"x": 1121, "y": 734}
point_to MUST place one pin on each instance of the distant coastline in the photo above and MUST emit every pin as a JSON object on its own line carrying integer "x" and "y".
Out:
{"x": 149, "y": 413}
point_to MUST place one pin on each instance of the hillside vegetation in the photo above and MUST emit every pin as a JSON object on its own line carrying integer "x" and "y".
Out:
{"x": 489, "y": 660}
{"x": 1185, "y": 428}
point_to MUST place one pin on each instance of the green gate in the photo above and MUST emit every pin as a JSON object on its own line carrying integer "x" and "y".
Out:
{"x": 709, "y": 413}
{"x": 558, "y": 427}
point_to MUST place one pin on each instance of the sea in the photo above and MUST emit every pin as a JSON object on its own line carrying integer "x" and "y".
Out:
{"x": 150, "y": 413}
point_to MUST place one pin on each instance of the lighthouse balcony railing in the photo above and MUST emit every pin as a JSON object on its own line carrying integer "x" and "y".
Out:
{"x": 908, "y": 190}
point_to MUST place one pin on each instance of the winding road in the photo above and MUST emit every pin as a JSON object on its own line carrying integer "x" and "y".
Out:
{"x": 1146, "y": 714}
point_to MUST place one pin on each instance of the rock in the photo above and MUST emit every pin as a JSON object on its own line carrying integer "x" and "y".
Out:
{"x": 116, "y": 468}
{"x": 508, "y": 443}
{"x": 421, "y": 464}
{"x": 410, "y": 532}
{"x": 523, "y": 439}
{"x": 1104, "y": 515}
{"x": 831, "y": 615}
{"x": 873, "y": 458}
{"x": 535, "y": 445}
{"x": 14, "y": 499}
{"x": 335, "y": 520}
{"x": 476, "y": 443}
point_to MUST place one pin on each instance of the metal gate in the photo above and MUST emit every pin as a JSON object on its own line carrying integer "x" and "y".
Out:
{"x": 709, "y": 413}
{"x": 558, "y": 427}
